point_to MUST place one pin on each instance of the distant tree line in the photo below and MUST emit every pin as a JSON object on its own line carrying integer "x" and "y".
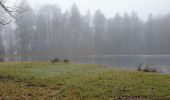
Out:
{"x": 50, "y": 32}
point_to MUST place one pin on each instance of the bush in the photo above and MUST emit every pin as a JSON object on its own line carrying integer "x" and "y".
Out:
{"x": 66, "y": 61}
{"x": 140, "y": 67}
{"x": 146, "y": 68}
{"x": 55, "y": 60}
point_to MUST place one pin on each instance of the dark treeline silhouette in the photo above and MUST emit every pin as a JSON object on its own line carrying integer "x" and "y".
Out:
{"x": 49, "y": 33}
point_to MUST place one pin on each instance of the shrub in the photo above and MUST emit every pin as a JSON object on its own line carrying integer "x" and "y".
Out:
{"x": 140, "y": 67}
{"x": 146, "y": 68}
{"x": 55, "y": 60}
{"x": 66, "y": 61}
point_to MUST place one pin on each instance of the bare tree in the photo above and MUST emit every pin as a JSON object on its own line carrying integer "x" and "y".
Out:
{"x": 10, "y": 11}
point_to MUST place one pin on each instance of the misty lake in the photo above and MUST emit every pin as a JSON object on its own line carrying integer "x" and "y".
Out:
{"x": 125, "y": 61}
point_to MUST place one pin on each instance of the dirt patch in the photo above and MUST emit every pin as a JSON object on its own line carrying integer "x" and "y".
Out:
{"x": 6, "y": 77}
{"x": 35, "y": 85}
{"x": 134, "y": 98}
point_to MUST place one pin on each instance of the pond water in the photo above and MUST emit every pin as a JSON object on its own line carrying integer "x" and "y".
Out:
{"x": 125, "y": 61}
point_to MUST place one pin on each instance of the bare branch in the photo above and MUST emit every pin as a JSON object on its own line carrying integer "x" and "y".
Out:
{"x": 11, "y": 11}
{"x": 4, "y": 22}
{"x": 6, "y": 9}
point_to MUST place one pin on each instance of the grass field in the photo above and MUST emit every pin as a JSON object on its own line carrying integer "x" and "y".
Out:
{"x": 72, "y": 81}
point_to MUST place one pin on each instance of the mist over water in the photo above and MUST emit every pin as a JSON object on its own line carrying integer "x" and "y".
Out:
{"x": 125, "y": 60}
{"x": 160, "y": 62}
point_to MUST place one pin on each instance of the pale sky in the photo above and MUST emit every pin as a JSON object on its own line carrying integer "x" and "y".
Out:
{"x": 110, "y": 7}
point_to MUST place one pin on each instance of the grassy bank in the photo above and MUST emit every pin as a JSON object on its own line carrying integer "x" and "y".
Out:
{"x": 71, "y": 81}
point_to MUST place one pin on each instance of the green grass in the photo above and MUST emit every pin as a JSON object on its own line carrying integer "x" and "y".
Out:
{"x": 72, "y": 81}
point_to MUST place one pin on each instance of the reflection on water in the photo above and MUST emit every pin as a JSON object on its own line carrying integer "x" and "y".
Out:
{"x": 127, "y": 61}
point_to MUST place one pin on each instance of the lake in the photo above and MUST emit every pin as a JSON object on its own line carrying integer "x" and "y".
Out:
{"x": 125, "y": 61}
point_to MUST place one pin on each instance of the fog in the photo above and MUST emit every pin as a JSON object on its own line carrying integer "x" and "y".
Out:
{"x": 109, "y": 7}
{"x": 87, "y": 31}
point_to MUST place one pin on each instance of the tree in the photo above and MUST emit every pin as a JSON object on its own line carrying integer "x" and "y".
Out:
{"x": 87, "y": 42}
{"x": 149, "y": 34}
{"x": 75, "y": 22}
{"x": 114, "y": 33}
{"x": 41, "y": 37}
{"x": 24, "y": 32}
{"x": 66, "y": 40}
{"x": 137, "y": 37}
{"x": 57, "y": 28}
{"x": 99, "y": 29}
{"x": 11, "y": 11}
{"x": 49, "y": 33}
{"x": 2, "y": 49}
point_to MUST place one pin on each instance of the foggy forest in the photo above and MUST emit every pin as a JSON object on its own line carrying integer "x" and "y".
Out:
{"x": 49, "y": 32}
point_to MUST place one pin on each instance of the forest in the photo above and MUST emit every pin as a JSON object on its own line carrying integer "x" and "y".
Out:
{"x": 50, "y": 32}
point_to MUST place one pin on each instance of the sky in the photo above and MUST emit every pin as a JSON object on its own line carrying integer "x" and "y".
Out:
{"x": 110, "y": 7}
